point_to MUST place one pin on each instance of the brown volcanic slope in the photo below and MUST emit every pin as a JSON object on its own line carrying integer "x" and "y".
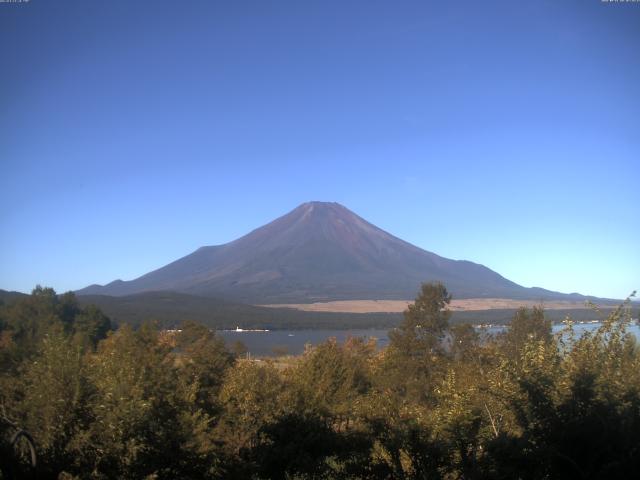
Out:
{"x": 320, "y": 252}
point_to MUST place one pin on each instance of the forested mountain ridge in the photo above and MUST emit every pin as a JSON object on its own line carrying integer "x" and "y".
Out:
{"x": 169, "y": 309}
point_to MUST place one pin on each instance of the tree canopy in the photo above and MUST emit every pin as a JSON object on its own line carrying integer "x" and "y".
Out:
{"x": 440, "y": 402}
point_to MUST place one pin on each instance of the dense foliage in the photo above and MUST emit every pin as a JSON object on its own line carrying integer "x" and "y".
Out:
{"x": 440, "y": 401}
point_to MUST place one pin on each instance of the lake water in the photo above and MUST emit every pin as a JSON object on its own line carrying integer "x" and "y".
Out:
{"x": 293, "y": 341}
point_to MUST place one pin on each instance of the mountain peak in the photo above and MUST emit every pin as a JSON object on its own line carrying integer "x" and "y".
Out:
{"x": 319, "y": 204}
{"x": 316, "y": 206}
{"x": 318, "y": 251}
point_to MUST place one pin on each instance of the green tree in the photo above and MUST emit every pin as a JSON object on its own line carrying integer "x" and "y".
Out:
{"x": 415, "y": 357}
{"x": 28, "y": 320}
{"x": 425, "y": 322}
{"x": 136, "y": 422}
{"x": 252, "y": 397}
{"x": 52, "y": 402}
{"x": 465, "y": 342}
{"x": 91, "y": 325}
{"x": 525, "y": 327}
{"x": 576, "y": 406}
{"x": 330, "y": 378}
{"x": 203, "y": 360}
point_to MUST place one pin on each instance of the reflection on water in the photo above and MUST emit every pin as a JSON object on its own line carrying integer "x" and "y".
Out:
{"x": 263, "y": 343}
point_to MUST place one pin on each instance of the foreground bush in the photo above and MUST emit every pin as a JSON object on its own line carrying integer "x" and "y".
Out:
{"x": 439, "y": 402}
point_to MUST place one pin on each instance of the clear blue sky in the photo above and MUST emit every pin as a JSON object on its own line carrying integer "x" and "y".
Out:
{"x": 502, "y": 132}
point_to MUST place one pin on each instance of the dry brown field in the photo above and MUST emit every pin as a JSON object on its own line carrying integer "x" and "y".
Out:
{"x": 394, "y": 306}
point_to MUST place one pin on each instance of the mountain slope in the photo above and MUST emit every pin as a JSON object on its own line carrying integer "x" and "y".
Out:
{"x": 319, "y": 251}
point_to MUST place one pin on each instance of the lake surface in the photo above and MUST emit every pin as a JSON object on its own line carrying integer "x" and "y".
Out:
{"x": 293, "y": 341}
